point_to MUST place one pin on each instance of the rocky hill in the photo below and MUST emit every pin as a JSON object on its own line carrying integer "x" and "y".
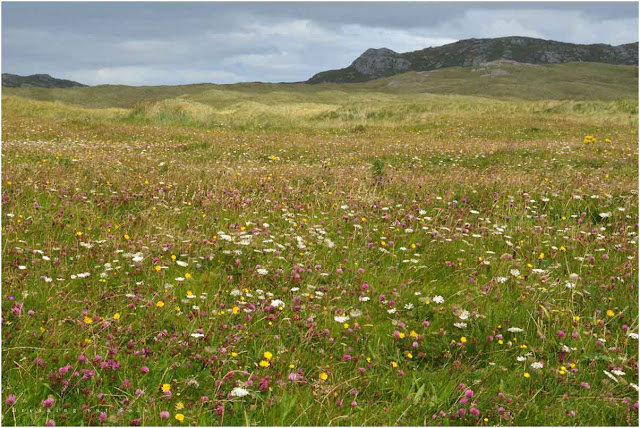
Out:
{"x": 377, "y": 63}
{"x": 38, "y": 81}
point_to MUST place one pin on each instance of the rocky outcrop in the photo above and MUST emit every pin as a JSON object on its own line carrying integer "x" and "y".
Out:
{"x": 38, "y": 81}
{"x": 377, "y": 63}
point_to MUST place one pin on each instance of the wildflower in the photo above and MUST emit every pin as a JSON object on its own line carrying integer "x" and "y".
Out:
{"x": 48, "y": 403}
{"x": 160, "y": 303}
{"x": 179, "y": 417}
{"x": 323, "y": 376}
{"x": 268, "y": 355}
{"x": 239, "y": 392}
{"x": 264, "y": 363}
{"x": 166, "y": 387}
{"x": 527, "y": 375}
{"x": 610, "y": 313}
{"x": 116, "y": 316}
{"x": 164, "y": 415}
{"x": 87, "y": 320}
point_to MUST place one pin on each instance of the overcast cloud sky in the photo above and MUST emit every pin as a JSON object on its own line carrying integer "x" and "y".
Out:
{"x": 179, "y": 43}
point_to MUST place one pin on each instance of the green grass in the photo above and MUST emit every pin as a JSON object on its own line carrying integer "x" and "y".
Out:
{"x": 417, "y": 195}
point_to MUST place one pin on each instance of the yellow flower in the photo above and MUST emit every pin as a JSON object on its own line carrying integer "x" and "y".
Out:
{"x": 79, "y": 233}
{"x": 87, "y": 320}
{"x": 179, "y": 405}
{"x": 126, "y": 237}
{"x": 394, "y": 364}
{"x": 268, "y": 355}
{"x": 409, "y": 355}
{"x": 401, "y": 335}
{"x": 235, "y": 310}
{"x": 264, "y": 363}
{"x": 187, "y": 275}
{"x": 157, "y": 268}
{"x": 166, "y": 387}
{"x": 500, "y": 342}
{"x": 160, "y": 303}
{"x": 413, "y": 334}
{"x": 610, "y": 313}
{"x": 234, "y": 354}
{"x": 323, "y": 376}
{"x": 116, "y": 316}
{"x": 563, "y": 249}
{"x": 541, "y": 256}
{"x": 345, "y": 325}
{"x": 463, "y": 339}
{"x": 180, "y": 417}
{"x": 173, "y": 257}
{"x": 527, "y": 375}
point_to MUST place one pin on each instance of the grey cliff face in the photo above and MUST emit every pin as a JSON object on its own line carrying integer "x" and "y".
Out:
{"x": 380, "y": 62}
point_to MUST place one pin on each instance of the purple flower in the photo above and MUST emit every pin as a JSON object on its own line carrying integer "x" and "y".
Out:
{"x": 11, "y": 400}
{"x": 48, "y": 403}
{"x": 474, "y": 411}
{"x": 164, "y": 415}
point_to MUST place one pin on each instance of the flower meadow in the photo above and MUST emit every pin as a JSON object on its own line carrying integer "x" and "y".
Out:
{"x": 471, "y": 273}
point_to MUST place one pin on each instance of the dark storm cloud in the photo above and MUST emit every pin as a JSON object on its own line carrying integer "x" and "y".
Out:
{"x": 173, "y": 43}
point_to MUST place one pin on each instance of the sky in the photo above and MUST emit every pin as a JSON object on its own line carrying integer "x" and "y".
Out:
{"x": 164, "y": 43}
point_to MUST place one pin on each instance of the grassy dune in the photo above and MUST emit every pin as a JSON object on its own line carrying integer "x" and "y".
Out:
{"x": 321, "y": 255}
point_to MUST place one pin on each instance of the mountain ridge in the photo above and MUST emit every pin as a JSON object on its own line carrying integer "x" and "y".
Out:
{"x": 10, "y": 80}
{"x": 384, "y": 62}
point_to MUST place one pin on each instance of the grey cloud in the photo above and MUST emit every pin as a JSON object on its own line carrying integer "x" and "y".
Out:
{"x": 174, "y": 43}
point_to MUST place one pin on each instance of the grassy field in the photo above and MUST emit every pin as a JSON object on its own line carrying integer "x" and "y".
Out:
{"x": 263, "y": 254}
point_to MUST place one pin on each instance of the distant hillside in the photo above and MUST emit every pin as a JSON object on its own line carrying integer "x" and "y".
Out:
{"x": 37, "y": 81}
{"x": 506, "y": 80}
{"x": 377, "y": 63}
